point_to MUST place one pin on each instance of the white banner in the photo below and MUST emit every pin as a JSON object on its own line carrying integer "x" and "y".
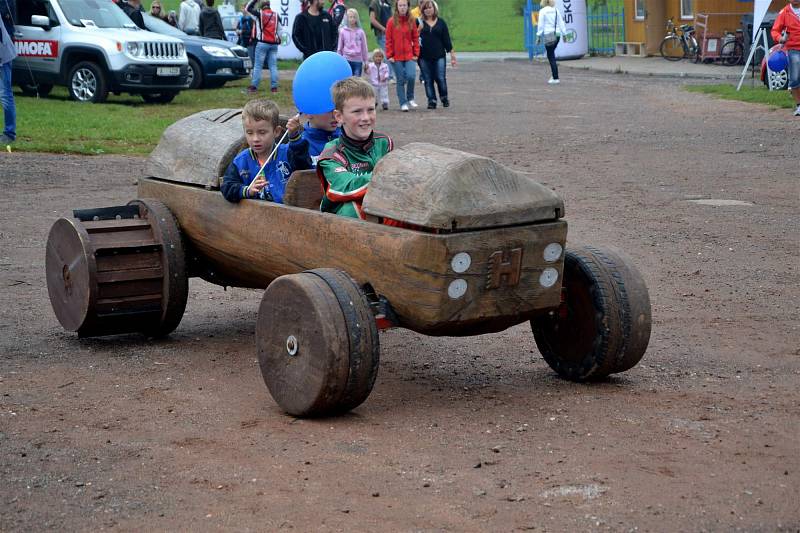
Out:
{"x": 760, "y": 8}
{"x": 287, "y": 10}
{"x": 575, "y": 44}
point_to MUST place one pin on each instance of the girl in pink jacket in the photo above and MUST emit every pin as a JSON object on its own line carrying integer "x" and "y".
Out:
{"x": 353, "y": 43}
{"x": 378, "y": 73}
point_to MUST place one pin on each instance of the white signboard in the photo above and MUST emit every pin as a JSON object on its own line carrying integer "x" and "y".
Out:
{"x": 575, "y": 44}
{"x": 287, "y": 10}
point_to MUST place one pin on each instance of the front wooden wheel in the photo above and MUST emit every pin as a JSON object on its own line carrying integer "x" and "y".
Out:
{"x": 317, "y": 343}
{"x": 603, "y": 325}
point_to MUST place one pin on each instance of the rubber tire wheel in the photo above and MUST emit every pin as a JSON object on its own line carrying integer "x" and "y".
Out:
{"x": 337, "y": 348}
{"x": 159, "y": 98}
{"x": 100, "y": 85}
{"x": 731, "y": 53}
{"x": 42, "y": 90}
{"x": 669, "y": 48}
{"x": 174, "y": 264}
{"x": 197, "y": 74}
{"x": 603, "y": 326}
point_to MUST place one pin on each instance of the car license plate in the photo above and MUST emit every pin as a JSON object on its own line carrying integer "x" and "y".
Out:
{"x": 168, "y": 71}
{"x": 248, "y": 64}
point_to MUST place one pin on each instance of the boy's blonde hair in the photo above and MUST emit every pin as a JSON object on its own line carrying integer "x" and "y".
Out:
{"x": 262, "y": 109}
{"x": 351, "y": 87}
{"x": 354, "y": 12}
{"x": 378, "y": 52}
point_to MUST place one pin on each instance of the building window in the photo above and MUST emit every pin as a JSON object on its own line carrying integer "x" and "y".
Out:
{"x": 687, "y": 9}
{"x": 639, "y": 9}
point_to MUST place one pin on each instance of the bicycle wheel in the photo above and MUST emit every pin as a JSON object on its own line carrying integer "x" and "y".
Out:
{"x": 731, "y": 53}
{"x": 672, "y": 48}
{"x": 692, "y": 48}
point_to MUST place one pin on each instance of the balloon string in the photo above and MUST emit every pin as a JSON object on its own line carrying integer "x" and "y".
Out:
{"x": 261, "y": 170}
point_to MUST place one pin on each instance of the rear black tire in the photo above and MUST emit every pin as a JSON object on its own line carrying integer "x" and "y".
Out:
{"x": 731, "y": 53}
{"x": 87, "y": 83}
{"x": 672, "y": 48}
{"x": 196, "y": 77}
{"x": 159, "y": 98}
{"x": 32, "y": 89}
{"x": 603, "y": 326}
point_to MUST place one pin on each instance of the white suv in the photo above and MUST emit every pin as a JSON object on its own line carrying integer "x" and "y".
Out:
{"x": 93, "y": 48}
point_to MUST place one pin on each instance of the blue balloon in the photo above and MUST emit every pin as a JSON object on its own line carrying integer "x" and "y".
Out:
{"x": 313, "y": 81}
{"x": 778, "y": 61}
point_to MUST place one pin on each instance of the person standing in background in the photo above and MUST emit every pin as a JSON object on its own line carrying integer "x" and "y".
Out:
{"x": 189, "y": 17}
{"x": 435, "y": 43}
{"x": 8, "y": 52}
{"x": 551, "y": 27}
{"x": 314, "y": 31}
{"x": 380, "y": 11}
{"x": 353, "y": 43}
{"x": 133, "y": 8}
{"x": 245, "y": 32}
{"x": 402, "y": 49}
{"x": 786, "y": 30}
{"x": 157, "y": 11}
{"x": 210, "y": 24}
{"x": 267, "y": 41}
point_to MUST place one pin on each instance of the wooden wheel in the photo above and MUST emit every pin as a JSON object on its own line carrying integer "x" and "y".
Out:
{"x": 603, "y": 325}
{"x": 317, "y": 343}
{"x": 117, "y": 270}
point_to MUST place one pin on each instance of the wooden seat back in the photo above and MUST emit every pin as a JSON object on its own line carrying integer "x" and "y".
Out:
{"x": 303, "y": 190}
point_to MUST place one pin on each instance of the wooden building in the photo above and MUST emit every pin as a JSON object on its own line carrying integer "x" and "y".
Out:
{"x": 645, "y": 20}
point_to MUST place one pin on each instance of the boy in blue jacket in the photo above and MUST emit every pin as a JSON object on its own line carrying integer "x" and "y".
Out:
{"x": 319, "y": 131}
{"x": 243, "y": 178}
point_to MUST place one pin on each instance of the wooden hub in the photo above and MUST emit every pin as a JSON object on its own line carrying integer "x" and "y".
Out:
{"x": 317, "y": 343}
{"x": 117, "y": 270}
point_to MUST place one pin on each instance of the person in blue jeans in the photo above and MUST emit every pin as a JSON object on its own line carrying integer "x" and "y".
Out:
{"x": 434, "y": 45}
{"x": 402, "y": 49}
{"x": 267, "y": 41}
{"x": 7, "y": 54}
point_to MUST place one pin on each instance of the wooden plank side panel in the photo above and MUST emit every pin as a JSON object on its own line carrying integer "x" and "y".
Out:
{"x": 253, "y": 242}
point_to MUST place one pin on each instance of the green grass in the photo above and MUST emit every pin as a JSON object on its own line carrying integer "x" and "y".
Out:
{"x": 755, "y": 95}
{"x": 123, "y": 125}
{"x": 475, "y": 25}
{"x": 126, "y": 125}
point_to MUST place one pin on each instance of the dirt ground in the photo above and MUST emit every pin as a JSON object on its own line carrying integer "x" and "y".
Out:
{"x": 459, "y": 434}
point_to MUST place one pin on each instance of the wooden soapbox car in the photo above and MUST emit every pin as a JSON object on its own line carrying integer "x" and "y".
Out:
{"x": 489, "y": 253}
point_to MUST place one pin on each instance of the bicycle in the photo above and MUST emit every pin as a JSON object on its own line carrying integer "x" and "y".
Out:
{"x": 677, "y": 46}
{"x": 732, "y": 51}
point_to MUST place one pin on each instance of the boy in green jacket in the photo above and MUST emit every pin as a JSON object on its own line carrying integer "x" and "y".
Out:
{"x": 345, "y": 165}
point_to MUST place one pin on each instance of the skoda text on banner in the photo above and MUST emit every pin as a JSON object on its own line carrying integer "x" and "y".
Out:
{"x": 287, "y": 10}
{"x": 575, "y": 44}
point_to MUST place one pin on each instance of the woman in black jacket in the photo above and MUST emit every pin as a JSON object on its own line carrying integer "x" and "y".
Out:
{"x": 434, "y": 45}
{"x": 211, "y": 22}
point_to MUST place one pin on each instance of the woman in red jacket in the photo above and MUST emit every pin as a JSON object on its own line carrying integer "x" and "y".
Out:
{"x": 787, "y": 31}
{"x": 402, "y": 49}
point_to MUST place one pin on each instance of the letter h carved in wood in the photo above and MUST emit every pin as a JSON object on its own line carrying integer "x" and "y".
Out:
{"x": 505, "y": 267}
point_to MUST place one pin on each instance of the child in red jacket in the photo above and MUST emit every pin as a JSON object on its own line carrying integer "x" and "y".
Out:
{"x": 402, "y": 50}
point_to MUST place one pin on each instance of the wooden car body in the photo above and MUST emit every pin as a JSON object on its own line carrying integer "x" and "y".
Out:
{"x": 489, "y": 253}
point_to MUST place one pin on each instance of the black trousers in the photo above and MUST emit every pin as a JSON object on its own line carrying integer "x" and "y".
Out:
{"x": 551, "y": 57}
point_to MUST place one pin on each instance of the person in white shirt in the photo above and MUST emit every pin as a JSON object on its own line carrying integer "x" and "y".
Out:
{"x": 189, "y": 17}
{"x": 550, "y": 27}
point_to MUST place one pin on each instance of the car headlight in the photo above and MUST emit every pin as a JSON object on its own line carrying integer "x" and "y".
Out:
{"x": 217, "y": 51}
{"x": 181, "y": 50}
{"x": 134, "y": 49}
{"x": 240, "y": 49}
